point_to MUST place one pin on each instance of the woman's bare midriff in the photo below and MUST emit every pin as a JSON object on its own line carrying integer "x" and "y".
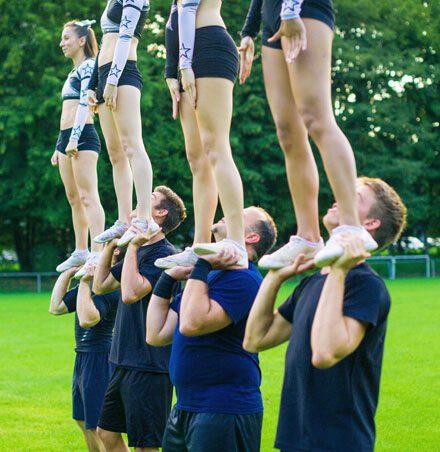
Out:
{"x": 208, "y": 13}
{"x": 68, "y": 114}
{"x": 108, "y": 46}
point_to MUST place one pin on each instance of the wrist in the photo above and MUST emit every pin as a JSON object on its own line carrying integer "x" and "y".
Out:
{"x": 339, "y": 271}
{"x": 201, "y": 270}
{"x": 164, "y": 287}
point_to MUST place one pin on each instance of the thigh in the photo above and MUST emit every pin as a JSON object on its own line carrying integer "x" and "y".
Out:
{"x": 112, "y": 416}
{"x": 109, "y": 129}
{"x": 279, "y": 92}
{"x": 128, "y": 112}
{"x": 214, "y": 106}
{"x": 77, "y": 399}
{"x": 310, "y": 73}
{"x": 84, "y": 170}
{"x": 188, "y": 120}
{"x": 66, "y": 173}
{"x": 174, "y": 438}
{"x": 147, "y": 400}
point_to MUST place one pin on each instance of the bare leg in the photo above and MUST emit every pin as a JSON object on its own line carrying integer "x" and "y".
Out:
{"x": 84, "y": 170}
{"x": 205, "y": 195}
{"x": 113, "y": 441}
{"x": 79, "y": 218}
{"x": 128, "y": 120}
{"x": 302, "y": 173}
{"x": 214, "y": 113}
{"x": 122, "y": 176}
{"x": 310, "y": 77}
{"x": 94, "y": 444}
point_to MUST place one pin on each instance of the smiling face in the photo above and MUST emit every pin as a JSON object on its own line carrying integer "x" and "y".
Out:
{"x": 70, "y": 43}
{"x": 365, "y": 200}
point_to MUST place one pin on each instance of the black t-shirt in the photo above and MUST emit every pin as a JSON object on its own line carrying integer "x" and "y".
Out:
{"x": 333, "y": 409}
{"x": 98, "y": 338}
{"x": 129, "y": 347}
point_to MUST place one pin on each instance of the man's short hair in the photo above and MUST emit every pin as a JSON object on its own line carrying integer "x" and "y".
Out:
{"x": 173, "y": 203}
{"x": 388, "y": 208}
{"x": 267, "y": 230}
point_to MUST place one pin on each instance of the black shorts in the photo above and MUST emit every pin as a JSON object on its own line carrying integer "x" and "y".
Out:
{"x": 91, "y": 375}
{"x": 137, "y": 403}
{"x": 130, "y": 76}
{"x": 88, "y": 141}
{"x": 321, "y": 10}
{"x": 212, "y": 432}
{"x": 215, "y": 54}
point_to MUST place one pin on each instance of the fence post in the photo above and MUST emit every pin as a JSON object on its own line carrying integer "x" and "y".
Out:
{"x": 38, "y": 282}
{"x": 393, "y": 267}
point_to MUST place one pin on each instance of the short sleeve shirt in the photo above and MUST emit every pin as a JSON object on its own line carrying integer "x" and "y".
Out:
{"x": 333, "y": 409}
{"x": 98, "y": 338}
{"x": 129, "y": 348}
{"x": 212, "y": 373}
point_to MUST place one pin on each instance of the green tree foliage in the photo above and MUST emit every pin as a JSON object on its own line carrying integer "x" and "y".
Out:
{"x": 385, "y": 86}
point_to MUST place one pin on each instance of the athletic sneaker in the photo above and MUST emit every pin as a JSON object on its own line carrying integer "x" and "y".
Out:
{"x": 92, "y": 259}
{"x": 113, "y": 232}
{"x": 214, "y": 248}
{"x": 131, "y": 232}
{"x": 76, "y": 259}
{"x": 333, "y": 251}
{"x": 287, "y": 254}
{"x": 186, "y": 258}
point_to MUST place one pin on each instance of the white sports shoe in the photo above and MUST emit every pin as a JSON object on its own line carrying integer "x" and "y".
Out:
{"x": 92, "y": 259}
{"x": 287, "y": 254}
{"x": 333, "y": 251}
{"x": 131, "y": 233}
{"x": 214, "y": 248}
{"x": 113, "y": 232}
{"x": 76, "y": 259}
{"x": 186, "y": 258}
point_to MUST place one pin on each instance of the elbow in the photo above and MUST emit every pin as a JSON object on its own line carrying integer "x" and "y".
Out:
{"x": 189, "y": 328}
{"x": 129, "y": 297}
{"x": 323, "y": 360}
{"x": 154, "y": 340}
{"x": 53, "y": 311}
{"x": 97, "y": 288}
{"x": 250, "y": 346}
{"x": 88, "y": 323}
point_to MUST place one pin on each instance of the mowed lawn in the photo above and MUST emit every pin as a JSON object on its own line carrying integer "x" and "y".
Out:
{"x": 36, "y": 361}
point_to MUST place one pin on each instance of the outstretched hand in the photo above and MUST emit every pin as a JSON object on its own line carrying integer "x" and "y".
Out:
{"x": 226, "y": 258}
{"x": 142, "y": 237}
{"x": 296, "y": 38}
{"x": 354, "y": 252}
{"x": 299, "y": 266}
{"x": 247, "y": 51}
{"x": 179, "y": 272}
{"x": 90, "y": 272}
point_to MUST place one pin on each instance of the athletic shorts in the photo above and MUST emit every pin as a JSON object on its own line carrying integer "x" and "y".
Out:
{"x": 137, "y": 403}
{"x": 321, "y": 10}
{"x": 130, "y": 76}
{"x": 215, "y": 54}
{"x": 212, "y": 432}
{"x": 88, "y": 141}
{"x": 91, "y": 375}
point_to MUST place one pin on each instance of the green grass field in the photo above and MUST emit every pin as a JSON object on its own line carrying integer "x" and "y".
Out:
{"x": 36, "y": 362}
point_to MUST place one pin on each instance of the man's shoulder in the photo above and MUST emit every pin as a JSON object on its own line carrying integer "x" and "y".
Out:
{"x": 244, "y": 276}
{"x": 364, "y": 274}
{"x": 160, "y": 249}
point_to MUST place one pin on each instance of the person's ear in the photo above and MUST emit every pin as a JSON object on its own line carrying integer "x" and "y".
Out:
{"x": 161, "y": 213}
{"x": 251, "y": 238}
{"x": 372, "y": 224}
{"x": 82, "y": 41}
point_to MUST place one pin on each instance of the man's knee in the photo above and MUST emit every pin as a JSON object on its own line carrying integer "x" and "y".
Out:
{"x": 108, "y": 438}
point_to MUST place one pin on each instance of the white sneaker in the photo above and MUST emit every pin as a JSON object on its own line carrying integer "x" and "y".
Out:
{"x": 287, "y": 254}
{"x": 333, "y": 251}
{"x": 113, "y": 232}
{"x": 186, "y": 258}
{"x": 76, "y": 259}
{"x": 214, "y": 248}
{"x": 91, "y": 260}
{"x": 152, "y": 228}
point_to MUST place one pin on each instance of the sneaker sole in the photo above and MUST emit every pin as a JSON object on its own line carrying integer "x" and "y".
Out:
{"x": 202, "y": 250}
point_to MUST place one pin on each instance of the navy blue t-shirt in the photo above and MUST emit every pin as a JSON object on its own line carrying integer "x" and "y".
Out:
{"x": 98, "y": 338}
{"x": 333, "y": 409}
{"x": 129, "y": 347}
{"x": 212, "y": 373}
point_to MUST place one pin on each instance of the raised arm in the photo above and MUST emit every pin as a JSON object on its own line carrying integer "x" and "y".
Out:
{"x": 131, "y": 12}
{"x": 88, "y": 314}
{"x": 104, "y": 281}
{"x": 57, "y": 305}
{"x": 334, "y": 335}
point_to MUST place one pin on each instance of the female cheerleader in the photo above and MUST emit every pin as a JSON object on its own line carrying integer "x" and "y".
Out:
{"x": 197, "y": 42}
{"x": 78, "y": 145}
{"x": 296, "y": 56}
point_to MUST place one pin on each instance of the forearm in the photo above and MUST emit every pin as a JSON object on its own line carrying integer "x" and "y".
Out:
{"x": 159, "y": 332}
{"x": 82, "y": 112}
{"x": 330, "y": 335}
{"x": 196, "y": 305}
{"x": 133, "y": 284}
{"x": 187, "y": 32}
{"x": 103, "y": 281}
{"x": 291, "y": 9}
{"x": 93, "y": 81}
{"x": 172, "y": 44}
{"x": 88, "y": 315}
{"x": 262, "y": 316}
{"x": 57, "y": 306}
{"x": 252, "y": 22}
